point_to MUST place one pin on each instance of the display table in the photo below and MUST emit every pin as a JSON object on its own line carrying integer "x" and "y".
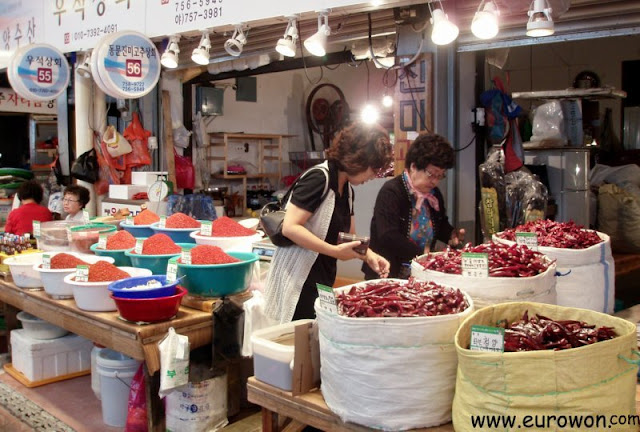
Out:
{"x": 106, "y": 328}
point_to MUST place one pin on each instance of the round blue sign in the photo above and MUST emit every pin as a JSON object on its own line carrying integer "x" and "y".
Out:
{"x": 39, "y": 72}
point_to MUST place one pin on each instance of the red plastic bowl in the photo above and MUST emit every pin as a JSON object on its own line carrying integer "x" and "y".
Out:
{"x": 149, "y": 309}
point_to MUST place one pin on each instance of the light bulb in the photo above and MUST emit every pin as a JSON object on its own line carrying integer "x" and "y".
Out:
{"x": 200, "y": 54}
{"x": 369, "y": 114}
{"x": 444, "y": 31}
{"x": 485, "y": 22}
{"x": 387, "y": 101}
{"x": 316, "y": 43}
{"x": 540, "y": 22}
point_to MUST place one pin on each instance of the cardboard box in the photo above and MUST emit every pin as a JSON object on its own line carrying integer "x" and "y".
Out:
{"x": 43, "y": 359}
{"x": 146, "y": 177}
{"x": 125, "y": 192}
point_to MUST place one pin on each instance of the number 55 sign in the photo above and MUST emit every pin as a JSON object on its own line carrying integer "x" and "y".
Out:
{"x": 38, "y": 72}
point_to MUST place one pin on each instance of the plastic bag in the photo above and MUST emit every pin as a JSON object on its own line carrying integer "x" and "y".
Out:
{"x": 548, "y": 122}
{"x": 137, "y": 406}
{"x": 198, "y": 206}
{"x": 137, "y": 137}
{"x": 181, "y": 136}
{"x": 86, "y": 167}
{"x": 108, "y": 173}
{"x": 185, "y": 172}
{"x": 492, "y": 193}
{"x": 115, "y": 143}
{"x": 174, "y": 362}
{"x": 526, "y": 198}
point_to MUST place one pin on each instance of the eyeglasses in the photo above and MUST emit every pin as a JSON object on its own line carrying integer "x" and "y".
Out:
{"x": 435, "y": 176}
{"x": 69, "y": 200}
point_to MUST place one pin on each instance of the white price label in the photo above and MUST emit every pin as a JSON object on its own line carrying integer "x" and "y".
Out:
{"x": 82, "y": 273}
{"x": 46, "y": 261}
{"x": 485, "y": 338}
{"x": 36, "y": 229}
{"x": 327, "y": 298}
{"x": 185, "y": 256}
{"x": 129, "y": 220}
{"x": 172, "y": 270}
{"x": 475, "y": 264}
{"x": 163, "y": 222}
{"x": 85, "y": 216}
{"x": 529, "y": 239}
{"x": 138, "y": 247}
{"x": 206, "y": 228}
{"x": 102, "y": 241}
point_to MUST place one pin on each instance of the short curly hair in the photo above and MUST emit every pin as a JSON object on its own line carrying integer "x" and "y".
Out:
{"x": 30, "y": 190}
{"x": 359, "y": 147}
{"x": 430, "y": 149}
{"x": 83, "y": 194}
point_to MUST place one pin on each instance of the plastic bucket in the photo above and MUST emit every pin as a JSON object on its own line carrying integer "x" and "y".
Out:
{"x": 116, "y": 371}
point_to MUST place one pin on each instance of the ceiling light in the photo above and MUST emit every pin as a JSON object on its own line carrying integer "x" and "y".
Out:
{"x": 200, "y": 55}
{"x": 387, "y": 101}
{"x": 369, "y": 114}
{"x": 444, "y": 31}
{"x": 485, "y": 21}
{"x": 169, "y": 57}
{"x": 84, "y": 68}
{"x": 287, "y": 44}
{"x": 316, "y": 44}
{"x": 540, "y": 22}
{"x": 235, "y": 44}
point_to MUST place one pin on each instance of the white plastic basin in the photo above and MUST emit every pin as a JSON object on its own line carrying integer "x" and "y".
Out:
{"x": 22, "y": 270}
{"x": 53, "y": 279}
{"x": 234, "y": 244}
{"x": 37, "y": 328}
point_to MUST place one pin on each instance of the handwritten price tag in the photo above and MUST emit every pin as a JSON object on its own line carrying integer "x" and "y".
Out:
{"x": 163, "y": 222}
{"x": 102, "y": 241}
{"x": 327, "y": 298}
{"x": 82, "y": 273}
{"x": 475, "y": 264}
{"x": 36, "y": 229}
{"x": 129, "y": 220}
{"x": 85, "y": 216}
{"x": 528, "y": 239}
{"x": 46, "y": 261}
{"x": 206, "y": 228}
{"x": 185, "y": 256}
{"x": 484, "y": 338}
{"x": 172, "y": 270}
{"x": 138, "y": 247}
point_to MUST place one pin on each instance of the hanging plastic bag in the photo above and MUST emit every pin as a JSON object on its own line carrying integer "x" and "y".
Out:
{"x": 108, "y": 173}
{"x": 86, "y": 167}
{"x": 137, "y": 137}
{"x": 185, "y": 172}
{"x": 137, "y": 406}
{"x": 174, "y": 362}
{"x": 181, "y": 136}
{"x": 115, "y": 143}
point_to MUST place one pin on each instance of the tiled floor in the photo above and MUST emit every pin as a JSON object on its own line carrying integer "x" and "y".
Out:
{"x": 72, "y": 401}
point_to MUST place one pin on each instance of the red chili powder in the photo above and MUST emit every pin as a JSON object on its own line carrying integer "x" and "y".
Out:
{"x": 145, "y": 217}
{"x": 181, "y": 220}
{"x": 121, "y": 240}
{"x": 205, "y": 254}
{"x": 227, "y": 227}
{"x": 65, "y": 261}
{"x": 159, "y": 244}
{"x": 103, "y": 271}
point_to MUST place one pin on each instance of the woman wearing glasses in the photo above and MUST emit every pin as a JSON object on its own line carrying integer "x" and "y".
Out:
{"x": 409, "y": 214}
{"x": 75, "y": 199}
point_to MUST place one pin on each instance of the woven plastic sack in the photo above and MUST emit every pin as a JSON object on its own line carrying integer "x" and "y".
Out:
{"x": 492, "y": 290}
{"x": 587, "y": 276}
{"x": 598, "y": 379}
{"x": 389, "y": 373}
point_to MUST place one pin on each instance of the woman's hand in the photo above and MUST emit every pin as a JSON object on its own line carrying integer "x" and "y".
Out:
{"x": 377, "y": 263}
{"x": 344, "y": 251}
{"x": 457, "y": 237}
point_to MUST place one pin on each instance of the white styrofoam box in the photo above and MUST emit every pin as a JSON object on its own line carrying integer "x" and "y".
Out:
{"x": 145, "y": 177}
{"x": 273, "y": 352}
{"x": 43, "y": 359}
{"x": 110, "y": 206}
{"x": 124, "y": 191}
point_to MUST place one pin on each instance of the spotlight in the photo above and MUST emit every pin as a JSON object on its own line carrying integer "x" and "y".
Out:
{"x": 316, "y": 43}
{"x": 369, "y": 114}
{"x": 84, "y": 69}
{"x": 540, "y": 22}
{"x": 485, "y": 21}
{"x": 200, "y": 55}
{"x": 287, "y": 44}
{"x": 235, "y": 44}
{"x": 387, "y": 101}
{"x": 444, "y": 31}
{"x": 169, "y": 57}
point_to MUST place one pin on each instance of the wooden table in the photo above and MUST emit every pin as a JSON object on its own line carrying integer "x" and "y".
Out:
{"x": 106, "y": 328}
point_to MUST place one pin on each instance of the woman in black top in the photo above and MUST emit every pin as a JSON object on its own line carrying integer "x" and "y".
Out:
{"x": 321, "y": 206}
{"x": 409, "y": 214}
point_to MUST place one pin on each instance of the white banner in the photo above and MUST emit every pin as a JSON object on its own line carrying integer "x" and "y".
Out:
{"x": 11, "y": 102}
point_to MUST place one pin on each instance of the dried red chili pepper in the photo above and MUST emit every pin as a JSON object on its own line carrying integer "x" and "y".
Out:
{"x": 159, "y": 244}
{"x": 226, "y": 227}
{"x": 103, "y": 271}
{"x": 563, "y": 235}
{"x": 65, "y": 261}
{"x": 181, "y": 220}
{"x": 121, "y": 240}
{"x": 145, "y": 217}
{"x": 205, "y": 254}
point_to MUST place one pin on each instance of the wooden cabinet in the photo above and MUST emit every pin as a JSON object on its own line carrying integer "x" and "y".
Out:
{"x": 267, "y": 157}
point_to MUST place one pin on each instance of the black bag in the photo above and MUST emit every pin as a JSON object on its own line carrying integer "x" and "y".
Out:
{"x": 272, "y": 214}
{"x": 86, "y": 167}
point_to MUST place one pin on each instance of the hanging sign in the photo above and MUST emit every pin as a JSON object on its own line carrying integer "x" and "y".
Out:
{"x": 10, "y": 101}
{"x": 128, "y": 63}
{"x": 38, "y": 72}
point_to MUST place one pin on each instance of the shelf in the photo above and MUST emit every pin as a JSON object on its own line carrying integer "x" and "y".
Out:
{"x": 572, "y": 93}
{"x": 252, "y": 136}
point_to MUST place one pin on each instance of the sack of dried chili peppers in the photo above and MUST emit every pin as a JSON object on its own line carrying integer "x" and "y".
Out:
{"x": 597, "y": 379}
{"x": 516, "y": 273}
{"x": 583, "y": 258}
{"x": 390, "y": 365}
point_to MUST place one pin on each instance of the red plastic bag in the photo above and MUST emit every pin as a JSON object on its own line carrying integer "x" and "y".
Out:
{"x": 137, "y": 406}
{"x": 108, "y": 173}
{"x": 185, "y": 172}
{"x": 137, "y": 137}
